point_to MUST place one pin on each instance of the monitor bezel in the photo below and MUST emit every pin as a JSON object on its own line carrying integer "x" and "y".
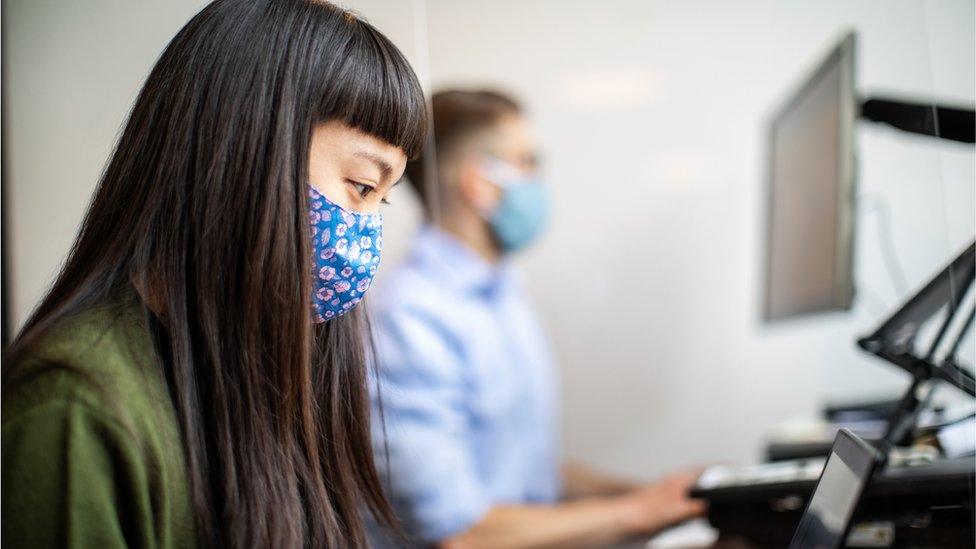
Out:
{"x": 844, "y": 54}
{"x": 863, "y": 459}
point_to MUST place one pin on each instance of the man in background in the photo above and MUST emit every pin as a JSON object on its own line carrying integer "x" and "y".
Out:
{"x": 466, "y": 419}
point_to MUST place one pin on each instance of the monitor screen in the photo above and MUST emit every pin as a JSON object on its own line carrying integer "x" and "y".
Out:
{"x": 810, "y": 188}
{"x": 834, "y": 500}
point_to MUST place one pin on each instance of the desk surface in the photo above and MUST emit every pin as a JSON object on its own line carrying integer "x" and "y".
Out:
{"x": 930, "y": 504}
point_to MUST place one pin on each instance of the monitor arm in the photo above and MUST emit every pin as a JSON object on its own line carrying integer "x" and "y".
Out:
{"x": 952, "y": 123}
{"x": 894, "y": 341}
{"x": 902, "y": 421}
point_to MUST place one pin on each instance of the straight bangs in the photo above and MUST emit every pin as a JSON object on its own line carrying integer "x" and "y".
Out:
{"x": 374, "y": 89}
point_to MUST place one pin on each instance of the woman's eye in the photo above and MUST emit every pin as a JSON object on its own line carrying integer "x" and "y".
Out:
{"x": 365, "y": 190}
{"x": 362, "y": 188}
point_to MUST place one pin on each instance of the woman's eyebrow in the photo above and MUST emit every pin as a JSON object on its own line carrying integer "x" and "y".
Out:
{"x": 385, "y": 168}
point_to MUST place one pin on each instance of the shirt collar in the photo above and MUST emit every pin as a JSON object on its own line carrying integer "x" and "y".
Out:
{"x": 458, "y": 264}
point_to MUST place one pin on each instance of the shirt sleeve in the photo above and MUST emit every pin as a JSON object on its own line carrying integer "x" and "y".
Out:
{"x": 422, "y": 431}
{"x": 67, "y": 479}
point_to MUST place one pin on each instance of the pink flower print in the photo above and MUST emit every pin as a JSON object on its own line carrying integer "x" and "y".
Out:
{"x": 326, "y": 237}
{"x": 361, "y": 269}
{"x": 379, "y": 243}
{"x": 353, "y": 251}
{"x": 363, "y": 285}
{"x": 342, "y": 286}
{"x": 340, "y": 247}
{"x": 365, "y": 242}
{"x": 340, "y": 229}
{"x": 315, "y": 217}
{"x": 324, "y": 294}
{"x": 326, "y": 215}
{"x": 329, "y": 314}
{"x": 334, "y": 302}
{"x": 372, "y": 270}
{"x": 327, "y": 253}
{"x": 327, "y": 273}
{"x": 315, "y": 231}
{"x": 316, "y": 205}
{"x": 366, "y": 256}
{"x": 346, "y": 272}
{"x": 347, "y": 217}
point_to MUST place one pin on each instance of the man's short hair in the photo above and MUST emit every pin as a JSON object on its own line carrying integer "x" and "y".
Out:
{"x": 456, "y": 115}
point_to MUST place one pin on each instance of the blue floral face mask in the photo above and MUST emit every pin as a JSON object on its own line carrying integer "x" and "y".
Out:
{"x": 346, "y": 247}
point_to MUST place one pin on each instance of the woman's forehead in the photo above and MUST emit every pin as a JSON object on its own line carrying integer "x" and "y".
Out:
{"x": 338, "y": 138}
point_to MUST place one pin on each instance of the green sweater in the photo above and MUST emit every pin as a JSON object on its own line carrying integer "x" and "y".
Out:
{"x": 92, "y": 455}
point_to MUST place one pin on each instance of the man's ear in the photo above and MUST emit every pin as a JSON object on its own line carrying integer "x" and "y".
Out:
{"x": 474, "y": 189}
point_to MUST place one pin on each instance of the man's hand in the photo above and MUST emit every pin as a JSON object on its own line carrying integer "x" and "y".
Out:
{"x": 656, "y": 506}
{"x": 584, "y": 522}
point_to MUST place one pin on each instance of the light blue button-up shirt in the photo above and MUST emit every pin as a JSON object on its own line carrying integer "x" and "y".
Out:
{"x": 467, "y": 389}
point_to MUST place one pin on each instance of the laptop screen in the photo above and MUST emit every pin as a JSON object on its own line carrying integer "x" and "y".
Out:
{"x": 827, "y": 518}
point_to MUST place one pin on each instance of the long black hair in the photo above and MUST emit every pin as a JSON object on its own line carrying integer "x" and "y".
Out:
{"x": 202, "y": 207}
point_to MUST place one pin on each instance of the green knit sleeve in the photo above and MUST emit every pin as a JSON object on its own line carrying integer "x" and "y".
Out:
{"x": 72, "y": 477}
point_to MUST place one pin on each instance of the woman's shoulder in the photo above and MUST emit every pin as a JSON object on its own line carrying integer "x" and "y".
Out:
{"x": 99, "y": 359}
{"x": 86, "y": 419}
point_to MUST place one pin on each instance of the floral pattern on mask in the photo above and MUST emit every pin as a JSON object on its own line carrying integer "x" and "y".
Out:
{"x": 346, "y": 250}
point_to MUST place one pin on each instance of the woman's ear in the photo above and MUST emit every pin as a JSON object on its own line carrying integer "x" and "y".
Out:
{"x": 474, "y": 189}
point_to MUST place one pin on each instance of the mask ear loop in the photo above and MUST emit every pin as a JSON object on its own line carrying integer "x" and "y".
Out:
{"x": 501, "y": 174}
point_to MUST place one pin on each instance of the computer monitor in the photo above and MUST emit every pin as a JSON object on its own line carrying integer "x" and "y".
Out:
{"x": 827, "y": 518}
{"x": 810, "y": 218}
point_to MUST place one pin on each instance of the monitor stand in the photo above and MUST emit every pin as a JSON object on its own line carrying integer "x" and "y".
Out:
{"x": 894, "y": 341}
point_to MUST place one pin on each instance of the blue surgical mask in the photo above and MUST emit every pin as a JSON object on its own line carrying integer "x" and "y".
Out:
{"x": 523, "y": 210}
{"x": 346, "y": 247}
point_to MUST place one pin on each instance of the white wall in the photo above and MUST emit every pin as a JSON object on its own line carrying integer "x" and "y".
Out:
{"x": 72, "y": 71}
{"x": 651, "y": 117}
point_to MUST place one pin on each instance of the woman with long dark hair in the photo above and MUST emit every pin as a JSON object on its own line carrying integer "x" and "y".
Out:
{"x": 196, "y": 374}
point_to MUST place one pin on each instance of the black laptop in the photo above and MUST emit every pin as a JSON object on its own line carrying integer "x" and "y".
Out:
{"x": 849, "y": 468}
